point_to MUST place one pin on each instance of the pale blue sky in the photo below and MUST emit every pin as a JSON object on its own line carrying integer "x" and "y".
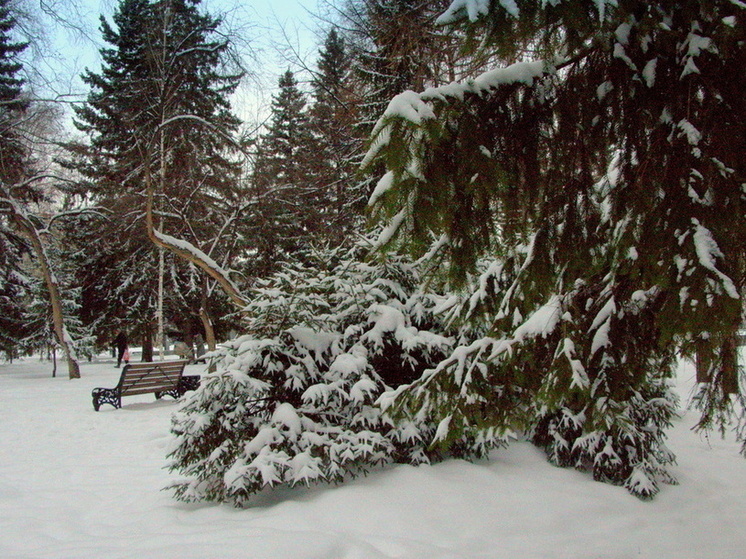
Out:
{"x": 273, "y": 34}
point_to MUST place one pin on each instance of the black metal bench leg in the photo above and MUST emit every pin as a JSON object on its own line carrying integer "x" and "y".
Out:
{"x": 103, "y": 396}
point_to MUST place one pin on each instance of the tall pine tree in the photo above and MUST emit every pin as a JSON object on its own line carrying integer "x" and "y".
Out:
{"x": 593, "y": 199}
{"x": 333, "y": 118}
{"x": 13, "y": 105}
{"x": 395, "y": 46}
{"x": 158, "y": 111}
{"x": 285, "y": 180}
{"x": 14, "y": 168}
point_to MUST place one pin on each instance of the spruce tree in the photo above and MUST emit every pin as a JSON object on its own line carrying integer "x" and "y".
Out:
{"x": 157, "y": 111}
{"x": 13, "y": 288}
{"x": 285, "y": 179}
{"x": 22, "y": 229}
{"x": 14, "y": 168}
{"x": 13, "y": 153}
{"x": 333, "y": 118}
{"x": 293, "y": 401}
{"x": 38, "y": 321}
{"x": 396, "y": 48}
{"x": 593, "y": 200}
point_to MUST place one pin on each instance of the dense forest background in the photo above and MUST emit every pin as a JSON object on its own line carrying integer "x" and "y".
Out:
{"x": 249, "y": 195}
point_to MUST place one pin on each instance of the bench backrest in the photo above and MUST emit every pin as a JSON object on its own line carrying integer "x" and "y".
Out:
{"x": 143, "y": 378}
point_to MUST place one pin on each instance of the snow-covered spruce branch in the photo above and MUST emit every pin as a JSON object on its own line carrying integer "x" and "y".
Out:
{"x": 66, "y": 214}
{"x": 310, "y": 383}
{"x": 191, "y": 253}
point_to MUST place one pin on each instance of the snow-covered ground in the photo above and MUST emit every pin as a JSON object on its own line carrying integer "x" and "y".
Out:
{"x": 79, "y": 484}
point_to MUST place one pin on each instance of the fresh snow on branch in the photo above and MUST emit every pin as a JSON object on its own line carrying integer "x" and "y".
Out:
{"x": 474, "y": 9}
{"x": 416, "y": 108}
{"x": 197, "y": 253}
{"x": 520, "y": 72}
{"x": 707, "y": 251}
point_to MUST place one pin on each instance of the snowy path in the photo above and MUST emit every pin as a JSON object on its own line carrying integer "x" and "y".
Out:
{"x": 79, "y": 484}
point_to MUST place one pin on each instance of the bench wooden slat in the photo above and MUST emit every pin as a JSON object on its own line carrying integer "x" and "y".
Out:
{"x": 153, "y": 371}
{"x": 148, "y": 387}
{"x": 154, "y": 376}
{"x": 144, "y": 390}
{"x": 160, "y": 381}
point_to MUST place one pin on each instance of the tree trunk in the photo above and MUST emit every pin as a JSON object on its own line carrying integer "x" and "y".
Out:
{"x": 204, "y": 315}
{"x": 147, "y": 341}
{"x": 703, "y": 363}
{"x": 726, "y": 367}
{"x": 160, "y": 337}
{"x": 50, "y": 280}
{"x": 209, "y": 334}
{"x": 729, "y": 369}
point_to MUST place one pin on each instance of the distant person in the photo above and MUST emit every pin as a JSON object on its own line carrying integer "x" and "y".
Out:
{"x": 120, "y": 342}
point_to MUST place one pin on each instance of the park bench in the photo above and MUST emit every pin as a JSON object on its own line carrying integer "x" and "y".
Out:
{"x": 164, "y": 378}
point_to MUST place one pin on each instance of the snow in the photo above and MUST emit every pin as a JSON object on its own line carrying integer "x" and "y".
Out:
{"x": 474, "y": 10}
{"x": 80, "y": 484}
{"x": 316, "y": 342}
{"x": 390, "y": 230}
{"x": 520, "y": 72}
{"x": 730, "y": 21}
{"x": 511, "y": 7}
{"x": 603, "y": 90}
{"x": 694, "y": 45}
{"x": 707, "y": 251}
{"x": 602, "y": 325}
{"x": 286, "y": 415}
{"x": 409, "y": 106}
{"x": 415, "y": 107}
{"x": 383, "y": 186}
{"x": 622, "y": 33}
{"x": 542, "y": 322}
{"x": 648, "y": 72}
{"x": 601, "y": 7}
{"x": 620, "y": 53}
{"x": 579, "y": 375}
{"x": 693, "y": 135}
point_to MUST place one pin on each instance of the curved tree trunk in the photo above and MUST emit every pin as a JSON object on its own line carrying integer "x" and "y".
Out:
{"x": 55, "y": 300}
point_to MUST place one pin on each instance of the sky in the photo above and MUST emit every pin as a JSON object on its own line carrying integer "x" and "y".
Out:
{"x": 273, "y": 35}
